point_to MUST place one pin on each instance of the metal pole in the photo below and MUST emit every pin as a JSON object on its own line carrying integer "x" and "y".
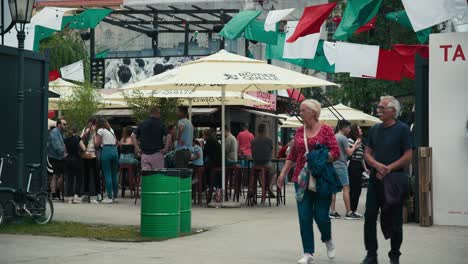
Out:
{"x": 155, "y": 37}
{"x": 92, "y": 53}
{"x": 20, "y": 109}
{"x": 3, "y": 21}
{"x": 186, "y": 40}
{"x": 223, "y": 141}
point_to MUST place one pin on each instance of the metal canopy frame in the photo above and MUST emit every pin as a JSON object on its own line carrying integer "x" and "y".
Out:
{"x": 151, "y": 20}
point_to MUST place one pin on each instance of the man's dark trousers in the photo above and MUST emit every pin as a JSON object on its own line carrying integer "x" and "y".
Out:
{"x": 374, "y": 201}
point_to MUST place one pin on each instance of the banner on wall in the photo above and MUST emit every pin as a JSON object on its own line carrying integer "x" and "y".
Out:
{"x": 448, "y": 65}
{"x": 267, "y": 97}
{"x": 121, "y": 72}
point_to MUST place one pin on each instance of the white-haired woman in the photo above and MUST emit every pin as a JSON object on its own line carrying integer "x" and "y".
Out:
{"x": 312, "y": 206}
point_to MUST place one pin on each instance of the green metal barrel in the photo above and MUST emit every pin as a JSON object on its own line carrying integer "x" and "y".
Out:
{"x": 185, "y": 200}
{"x": 160, "y": 201}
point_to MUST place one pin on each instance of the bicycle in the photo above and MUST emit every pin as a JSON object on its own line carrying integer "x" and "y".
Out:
{"x": 25, "y": 204}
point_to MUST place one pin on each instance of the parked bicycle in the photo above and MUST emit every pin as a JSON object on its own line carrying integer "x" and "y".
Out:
{"x": 21, "y": 203}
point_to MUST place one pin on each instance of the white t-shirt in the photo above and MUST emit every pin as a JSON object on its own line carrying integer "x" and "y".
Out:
{"x": 108, "y": 137}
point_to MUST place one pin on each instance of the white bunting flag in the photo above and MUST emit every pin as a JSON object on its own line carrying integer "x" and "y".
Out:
{"x": 357, "y": 59}
{"x": 74, "y": 72}
{"x": 303, "y": 48}
{"x": 460, "y": 22}
{"x": 274, "y": 17}
{"x": 329, "y": 48}
{"x": 427, "y": 13}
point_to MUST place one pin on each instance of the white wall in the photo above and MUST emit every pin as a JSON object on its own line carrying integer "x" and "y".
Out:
{"x": 448, "y": 135}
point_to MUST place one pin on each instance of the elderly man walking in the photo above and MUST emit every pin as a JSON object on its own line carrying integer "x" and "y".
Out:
{"x": 389, "y": 152}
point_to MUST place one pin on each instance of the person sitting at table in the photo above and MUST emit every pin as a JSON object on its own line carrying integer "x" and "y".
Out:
{"x": 262, "y": 148}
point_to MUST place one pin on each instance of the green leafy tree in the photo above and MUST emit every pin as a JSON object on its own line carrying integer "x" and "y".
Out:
{"x": 83, "y": 103}
{"x": 141, "y": 106}
{"x": 64, "y": 48}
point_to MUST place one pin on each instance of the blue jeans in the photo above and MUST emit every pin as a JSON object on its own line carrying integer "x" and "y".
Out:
{"x": 110, "y": 167}
{"x": 309, "y": 209}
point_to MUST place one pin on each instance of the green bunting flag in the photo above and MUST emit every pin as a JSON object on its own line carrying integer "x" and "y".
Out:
{"x": 401, "y": 17}
{"x": 41, "y": 33}
{"x": 356, "y": 14}
{"x": 88, "y": 19}
{"x": 234, "y": 28}
{"x": 256, "y": 31}
{"x": 319, "y": 63}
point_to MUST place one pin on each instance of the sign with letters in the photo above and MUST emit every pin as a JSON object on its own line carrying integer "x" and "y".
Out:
{"x": 267, "y": 97}
{"x": 448, "y": 115}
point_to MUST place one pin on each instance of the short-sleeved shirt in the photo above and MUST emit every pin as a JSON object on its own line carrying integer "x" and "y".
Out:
{"x": 187, "y": 134}
{"x": 388, "y": 144}
{"x": 108, "y": 137}
{"x": 342, "y": 161}
{"x": 150, "y": 133}
{"x": 358, "y": 154}
{"x": 199, "y": 161}
{"x": 245, "y": 138}
{"x": 262, "y": 147}
{"x": 231, "y": 148}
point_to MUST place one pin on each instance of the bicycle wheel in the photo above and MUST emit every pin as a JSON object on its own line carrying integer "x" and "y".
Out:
{"x": 42, "y": 209}
{"x": 2, "y": 214}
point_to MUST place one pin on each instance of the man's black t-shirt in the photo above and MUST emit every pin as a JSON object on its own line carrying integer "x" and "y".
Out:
{"x": 390, "y": 143}
{"x": 150, "y": 133}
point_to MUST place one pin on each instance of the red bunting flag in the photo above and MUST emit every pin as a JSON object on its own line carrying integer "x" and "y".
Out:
{"x": 399, "y": 62}
{"x": 390, "y": 65}
{"x": 311, "y": 20}
{"x": 53, "y": 75}
{"x": 296, "y": 95}
{"x": 408, "y": 52}
{"x": 366, "y": 27}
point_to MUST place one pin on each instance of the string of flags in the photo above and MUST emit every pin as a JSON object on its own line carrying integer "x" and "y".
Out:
{"x": 300, "y": 42}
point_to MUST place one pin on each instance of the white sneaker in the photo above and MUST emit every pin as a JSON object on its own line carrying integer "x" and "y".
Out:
{"x": 76, "y": 199}
{"x": 99, "y": 197}
{"x": 330, "y": 249}
{"x": 306, "y": 259}
{"x": 106, "y": 201}
{"x": 358, "y": 214}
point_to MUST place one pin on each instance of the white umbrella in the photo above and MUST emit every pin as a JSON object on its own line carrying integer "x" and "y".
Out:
{"x": 224, "y": 71}
{"x": 330, "y": 116}
{"x": 196, "y": 98}
{"x": 61, "y": 87}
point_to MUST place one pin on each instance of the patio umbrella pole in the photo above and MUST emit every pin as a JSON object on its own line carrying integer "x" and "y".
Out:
{"x": 223, "y": 142}
{"x": 190, "y": 110}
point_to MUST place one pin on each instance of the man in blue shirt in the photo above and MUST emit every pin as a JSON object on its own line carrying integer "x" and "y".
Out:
{"x": 184, "y": 139}
{"x": 389, "y": 152}
{"x": 57, "y": 153}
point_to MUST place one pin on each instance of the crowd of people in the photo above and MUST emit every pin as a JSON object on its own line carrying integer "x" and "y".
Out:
{"x": 84, "y": 161}
{"x": 325, "y": 162}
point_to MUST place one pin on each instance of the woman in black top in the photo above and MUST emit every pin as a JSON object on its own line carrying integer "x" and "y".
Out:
{"x": 73, "y": 167}
{"x": 356, "y": 167}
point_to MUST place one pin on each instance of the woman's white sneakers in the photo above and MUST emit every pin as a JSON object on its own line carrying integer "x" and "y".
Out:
{"x": 306, "y": 259}
{"x": 330, "y": 249}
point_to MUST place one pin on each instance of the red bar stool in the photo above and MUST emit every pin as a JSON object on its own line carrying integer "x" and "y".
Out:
{"x": 258, "y": 173}
{"x": 199, "y": 173}
{"x": 234, "y": 176}
{"x": 129, "y": 181}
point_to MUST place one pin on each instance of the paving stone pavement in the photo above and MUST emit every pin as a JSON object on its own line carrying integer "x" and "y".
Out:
{"x": 238, "y": 235}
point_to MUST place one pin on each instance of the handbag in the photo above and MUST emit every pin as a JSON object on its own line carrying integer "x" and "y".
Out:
{"x": 312, "y": 186}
